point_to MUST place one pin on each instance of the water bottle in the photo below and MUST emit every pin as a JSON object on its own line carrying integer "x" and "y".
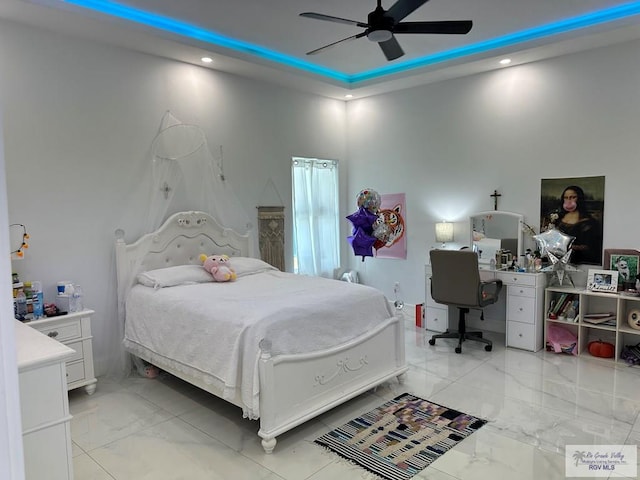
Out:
{"x": 78, "y": 300}
{"x": 21, "y": 305}
{"x": 37, "y": 300}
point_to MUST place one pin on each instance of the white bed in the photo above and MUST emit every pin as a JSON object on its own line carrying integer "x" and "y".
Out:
{"x": 299, "y": 360}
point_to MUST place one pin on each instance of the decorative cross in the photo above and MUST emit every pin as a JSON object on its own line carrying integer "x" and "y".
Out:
{"x": 165, "y": 189}
{"x": 495, "y": 196}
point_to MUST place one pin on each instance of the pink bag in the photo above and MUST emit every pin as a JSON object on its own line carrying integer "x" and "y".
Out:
{"x": 561, "y": 340}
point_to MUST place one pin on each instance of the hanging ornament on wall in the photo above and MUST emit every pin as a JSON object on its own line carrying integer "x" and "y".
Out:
{"x": 19, "y": 252}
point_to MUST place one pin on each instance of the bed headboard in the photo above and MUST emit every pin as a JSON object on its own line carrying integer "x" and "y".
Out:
{"x": 179, "y": 241}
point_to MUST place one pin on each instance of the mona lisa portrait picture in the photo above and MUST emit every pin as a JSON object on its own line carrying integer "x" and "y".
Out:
{"x": 575, "y": 206}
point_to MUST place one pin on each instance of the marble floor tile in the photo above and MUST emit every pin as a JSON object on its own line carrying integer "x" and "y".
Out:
{"x": 535, "y": 404}
{"x": 176, "y": 450}
{"x": 85, "y": 468}
{"x": 98, "y": 420}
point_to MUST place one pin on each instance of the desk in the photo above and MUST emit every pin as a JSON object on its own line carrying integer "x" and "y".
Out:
{"x": 517, "y": 314}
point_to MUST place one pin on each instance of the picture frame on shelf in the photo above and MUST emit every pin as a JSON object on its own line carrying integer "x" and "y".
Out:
{"x": 626, "y": 262}
{"x": 602, "y": 280}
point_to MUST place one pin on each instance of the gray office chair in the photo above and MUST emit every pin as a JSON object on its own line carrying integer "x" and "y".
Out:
{"x": 455, "y": 281}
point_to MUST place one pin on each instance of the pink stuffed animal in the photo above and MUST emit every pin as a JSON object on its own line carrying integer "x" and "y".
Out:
{"x": 218, "y": 266}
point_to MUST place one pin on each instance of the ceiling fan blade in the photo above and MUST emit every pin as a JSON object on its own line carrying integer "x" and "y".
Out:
{"x": 447, "y": 26}
{"x": 391, "y": 49}
{"x": 352, "y": 37}
{"x": 329, "y": 18}
{"x": 403, "y": 8}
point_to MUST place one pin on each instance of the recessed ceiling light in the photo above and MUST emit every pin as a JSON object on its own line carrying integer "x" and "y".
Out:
{"x": 207, "y": 59}
{"x": 505, "y": 61}
{"x": 348, "y": 95}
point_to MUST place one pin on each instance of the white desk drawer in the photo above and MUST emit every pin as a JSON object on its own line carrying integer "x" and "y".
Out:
{"x": 487, "y": 275}
{"x": 521, "y": 309}
{"x": 520, "y": 291}
{"x": 436, "y": 319}
{"x": 509, "y": 278}
{"x": 521, "y": 335}
{"x": 63, "y": 331}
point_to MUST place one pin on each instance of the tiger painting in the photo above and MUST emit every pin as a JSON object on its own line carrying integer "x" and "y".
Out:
{"x": 394, "y": 220}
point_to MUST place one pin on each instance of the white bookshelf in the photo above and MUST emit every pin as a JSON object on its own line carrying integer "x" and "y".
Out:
{"x": 589, "y": 302}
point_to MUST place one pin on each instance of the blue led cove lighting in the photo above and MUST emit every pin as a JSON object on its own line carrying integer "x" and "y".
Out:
{"x": 187, "y": 30}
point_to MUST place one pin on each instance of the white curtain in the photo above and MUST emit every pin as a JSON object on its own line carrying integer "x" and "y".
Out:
{"x": 316, "y": 227}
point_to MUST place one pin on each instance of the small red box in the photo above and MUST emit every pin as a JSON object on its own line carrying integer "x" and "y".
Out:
{"x": 419, "y": 315}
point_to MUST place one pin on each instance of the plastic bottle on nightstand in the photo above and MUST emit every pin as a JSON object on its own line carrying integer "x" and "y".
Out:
{"x": 78, "y": 298}
{"x": 37, "y": 299}
{"x": 21, "y": 305}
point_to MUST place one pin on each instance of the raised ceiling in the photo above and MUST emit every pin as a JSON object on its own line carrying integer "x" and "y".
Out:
{"x": 268, "y": 39}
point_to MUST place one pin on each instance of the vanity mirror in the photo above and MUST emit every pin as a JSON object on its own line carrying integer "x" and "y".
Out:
{"x": 495, "y": 230}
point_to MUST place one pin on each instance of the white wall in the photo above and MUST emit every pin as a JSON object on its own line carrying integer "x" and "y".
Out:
{"x": 11, "y": 452}
{"x": 449, "y": 145}
{"x": 79, "y": 121}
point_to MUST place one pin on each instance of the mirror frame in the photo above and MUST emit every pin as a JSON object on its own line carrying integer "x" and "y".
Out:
{"x": 516, "y": 216}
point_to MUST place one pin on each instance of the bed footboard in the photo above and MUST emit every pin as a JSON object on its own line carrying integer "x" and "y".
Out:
{"x": 296, "y": 388}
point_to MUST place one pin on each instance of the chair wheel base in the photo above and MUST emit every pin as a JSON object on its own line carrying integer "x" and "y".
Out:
{"x": 488, "y": 348}
{"x": 458, "y": 350}
{"x": 432, "y": 341}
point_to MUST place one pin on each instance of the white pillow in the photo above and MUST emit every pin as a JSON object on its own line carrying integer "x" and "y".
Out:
{"x": 247, "y": 265}
{"x": 172, "y": 276}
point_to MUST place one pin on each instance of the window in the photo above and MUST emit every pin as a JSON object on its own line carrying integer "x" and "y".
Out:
{"x": 316, "y": 229}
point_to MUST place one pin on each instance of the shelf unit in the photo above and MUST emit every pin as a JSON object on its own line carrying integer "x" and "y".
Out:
{"x": 619, "y": 335}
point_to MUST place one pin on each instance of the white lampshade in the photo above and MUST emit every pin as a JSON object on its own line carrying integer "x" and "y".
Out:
{"x": 444, "y": 232}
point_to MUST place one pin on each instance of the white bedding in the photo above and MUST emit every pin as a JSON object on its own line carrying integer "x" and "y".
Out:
{"x": 213, "y": 330}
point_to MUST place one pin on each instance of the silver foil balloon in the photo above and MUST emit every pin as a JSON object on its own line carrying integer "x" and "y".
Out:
{"x": 381, "y": 231}
{"x": 554, "y": 242}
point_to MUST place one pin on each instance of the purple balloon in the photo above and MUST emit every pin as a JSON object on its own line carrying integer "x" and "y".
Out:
{"x": 363, "y": 219}
{"x": 362, "y": 243}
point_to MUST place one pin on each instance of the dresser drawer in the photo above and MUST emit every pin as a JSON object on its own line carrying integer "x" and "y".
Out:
{"x": 520, "y": 291}
{"x": 516, "y": 279}
{"x": 77, "y": 347}
{"x": 521, "y": 335}
{"x": 75, "y": 372}
{"x": 436, "y": 319}
{"x": 63, "y": 331}
{"x": 521, "y": 309}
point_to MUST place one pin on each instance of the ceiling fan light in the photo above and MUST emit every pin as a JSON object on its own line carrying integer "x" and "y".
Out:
{"x": 379, "y": 35}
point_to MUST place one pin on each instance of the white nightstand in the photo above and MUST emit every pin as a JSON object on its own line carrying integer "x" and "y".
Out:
{"x": 74, "y": 330}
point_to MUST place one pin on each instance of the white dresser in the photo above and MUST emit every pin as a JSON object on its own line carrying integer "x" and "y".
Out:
{"x": 44, "y": 405}
{"x": 519, "y": 308}
{"x": 524, "y": 307}
{"x": 74, "y": 330}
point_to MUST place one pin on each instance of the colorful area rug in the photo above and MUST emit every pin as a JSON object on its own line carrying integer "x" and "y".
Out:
{"x": 402, "y": 437}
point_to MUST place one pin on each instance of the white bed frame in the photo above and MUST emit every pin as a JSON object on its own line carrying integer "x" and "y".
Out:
{"x": 293, "y": 388}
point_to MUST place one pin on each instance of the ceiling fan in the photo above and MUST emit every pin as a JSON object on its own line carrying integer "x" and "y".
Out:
{"x": 382, "y": 24}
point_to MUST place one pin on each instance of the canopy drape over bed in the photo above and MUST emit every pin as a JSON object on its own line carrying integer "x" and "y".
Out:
{"x": 184, "y": 176}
